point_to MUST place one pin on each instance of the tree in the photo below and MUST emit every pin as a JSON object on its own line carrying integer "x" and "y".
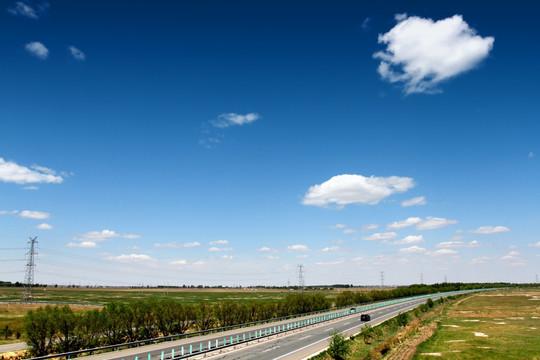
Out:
{"x": 339, "y": 347}
{"x": 6, "y": 332}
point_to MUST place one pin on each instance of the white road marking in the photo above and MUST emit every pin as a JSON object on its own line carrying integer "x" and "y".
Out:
{"x": 272, "y": 348}
{"x": 304, "y": 338}
{"x": 329, "y": 329}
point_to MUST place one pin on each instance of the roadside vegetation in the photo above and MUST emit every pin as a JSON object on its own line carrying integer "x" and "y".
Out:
{"x": 383, "y": 340}
{"x": 493, "y": 325}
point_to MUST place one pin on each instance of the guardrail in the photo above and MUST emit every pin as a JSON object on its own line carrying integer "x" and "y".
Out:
{"x": 238, "y": 339}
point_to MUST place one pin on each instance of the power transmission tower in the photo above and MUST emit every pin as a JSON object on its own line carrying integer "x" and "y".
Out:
{"x": 421, "y": 278}
{"x": 537, "y": 278}
{"x": 28, "y": 293}
{"x": 300, "y": 277}
{"x": 445, "y": 279}
{"x": 382, "y": 278}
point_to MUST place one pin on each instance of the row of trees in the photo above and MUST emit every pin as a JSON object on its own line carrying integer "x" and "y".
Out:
{"x": 347, "y": 298}
{"x": 54, "y": 329}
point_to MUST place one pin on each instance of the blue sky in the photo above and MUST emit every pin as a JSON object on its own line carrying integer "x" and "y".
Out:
{"x": 224, "y": 143}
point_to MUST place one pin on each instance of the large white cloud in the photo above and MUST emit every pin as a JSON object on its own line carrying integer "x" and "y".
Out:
{"x": 37, "y": 49}
{"x": 12, "y": 172}
{"x": 421, "y": 52}
{"x": 396, "y": 225}
{"x": 490, "y": 230}
{"x": 355, "y": 189}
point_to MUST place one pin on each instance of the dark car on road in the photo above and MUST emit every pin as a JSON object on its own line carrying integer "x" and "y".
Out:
{"x": 365, "y": 317}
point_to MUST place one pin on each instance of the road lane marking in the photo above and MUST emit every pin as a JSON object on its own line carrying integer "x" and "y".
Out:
{"x": 329, "y": 329}
{"x": 272, "y": 348}
{"x": 304, "y": 338}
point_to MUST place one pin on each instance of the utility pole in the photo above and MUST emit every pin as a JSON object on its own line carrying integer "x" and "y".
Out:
{"x": 28, "y": 292}
{"x": 300, "y": 277}
{"x": 445, "y": 279}
{"x": 537, "y": 278}
{"x": 382, "y": 278}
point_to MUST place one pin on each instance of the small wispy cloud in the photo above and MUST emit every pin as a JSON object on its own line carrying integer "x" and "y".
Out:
{"x": 38, "y": 215}
{"x": 83, "y": 244}
{"x": 396, "y": 225}
{"x": 219, "y": 242}
{"x": 22, "y": 9}
{"x": 413, "y": 250}
{"x": 218, "y": 249}
{"x": 434, "y": 223}
{"x": 338, "y": 226}
{"x": 234, "y": 119}
{"x": 381, "y": 236}
{"x": 531, "y": 155}
{"x": 104, "y": 235}
{"x": 411, "y": 239}
{"x": 8, "y": 212}
{"x": 176, "y": 245}
{"x": 76, "y": 53}
{"x": 350, "y": 231}
{"x": 329, "y": 249}
{"x": 458, "y": 244}
{"x": 490, "y": 230}
{"x": 37, "y": 49}
{"x": 44, "y": 226}
{"x": 417, "y": 201}
{"x": 369, "y": 227}
{"x": 298, "y": 247}
{"x": 136, "y": 258}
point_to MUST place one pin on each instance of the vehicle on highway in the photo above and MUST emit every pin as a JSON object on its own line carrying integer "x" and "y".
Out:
{"x": 365, "y": 317}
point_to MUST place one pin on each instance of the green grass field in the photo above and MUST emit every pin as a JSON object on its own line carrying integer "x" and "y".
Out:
{"x": 491, "y": 325}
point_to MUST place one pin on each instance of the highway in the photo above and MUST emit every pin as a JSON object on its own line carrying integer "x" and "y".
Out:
{"x": 302, "y": 339}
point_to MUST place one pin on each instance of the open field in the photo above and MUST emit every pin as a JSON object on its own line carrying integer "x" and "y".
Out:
{"x": 494, "y": 325}
{"x": 106, "y": 295}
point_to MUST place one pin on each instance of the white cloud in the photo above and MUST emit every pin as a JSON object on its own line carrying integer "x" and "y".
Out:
{"x": 535, "y": 245}
{"x": 338, "y": 226}
{"x": 84, "y": 244}
{"x": 44, "y": 226}
{"x": 227, "y": 257}
{"x": 77, "y": 54}
{"x": 302, "y": 256}
{"x": 272, "y": 257}
{"x": 396, "y": 225}
{"x": 413, "y": 250}
{"x": 381, "y": 236}
{"x": 217, "y": 249}
{"x": 511, "y": 255}
{"x": 457, "y": 238}
{"x": 349, "y": 231}
{"x": 199, "y": 263}
{"x": 457, "y": 244}
{"x": 266, "y": 249}
{"x": 417, "y": 201}
{"x": 328, "y": 249}
{"x": 411, "y": 239}
{"x": 141, "y": 258}
{"x": 434, "y": 223}
{"x": 178, "y": 262}
{"x": 176, "y": 245}
{"x": 369, "y": 227}
{"x": 297, "y": 248}
{"x": 330, "y": 263}
{"x": 358, "y": 259}
{"x": 104, "y": 235}
{"x": 355, "y": 189}
{"x": 37, "y": 49}
{"x": 219, "y": 242}
{"x": 30, "y": 188}
{"x": 490, "y": 230}
{"x": 12, "y": 172}
{"x": 38, "y": 215}
{"x": 230, "y": 119}
{"x": 421, "y": 53}
{"x": 531, "y": 155}
{"x": 8, "y": 212}
{"x": 481, "y": 260}
{"x": 444, "y": 252}
{"x": 22, "y": 9}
